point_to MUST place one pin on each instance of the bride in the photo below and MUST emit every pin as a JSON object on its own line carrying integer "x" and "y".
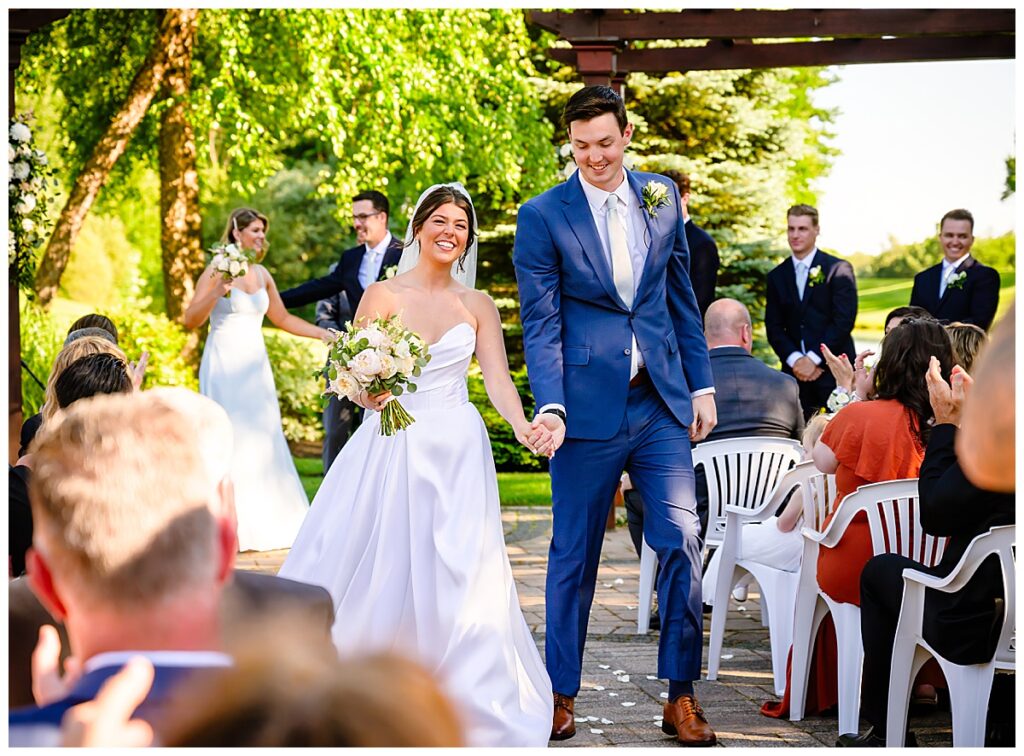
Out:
{"x": 235, "y": 372}
{"x": 405, "y": 531}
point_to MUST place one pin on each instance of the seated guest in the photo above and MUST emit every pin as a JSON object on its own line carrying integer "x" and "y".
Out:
{"x": 95, "y": 320}
{"x": 751, "y": 398}
{"x": 81, "y": 333}
{"x": 962, "y": 626}
{"x": 704, "y": 258}
{"x": 967, "y": 340}
{"x": 95, "y": 374}
{"x": 776, "y": 541}
{"x": 896, "y": 316}
{"x": 75, "y": 350}
{"x": 152, "y": 584}
{"x": 959, "y": 287}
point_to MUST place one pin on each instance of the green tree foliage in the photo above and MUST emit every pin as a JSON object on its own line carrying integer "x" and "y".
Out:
{"x": 1011, "y": 177}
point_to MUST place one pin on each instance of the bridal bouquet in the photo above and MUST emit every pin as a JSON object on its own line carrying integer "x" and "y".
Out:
{"x": 381, "y": 356}
{"x": 231, "y": 261}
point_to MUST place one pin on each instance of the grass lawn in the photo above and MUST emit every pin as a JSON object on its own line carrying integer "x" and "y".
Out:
{"x": 877, "y": 296}
{"x": 514, "y": 488}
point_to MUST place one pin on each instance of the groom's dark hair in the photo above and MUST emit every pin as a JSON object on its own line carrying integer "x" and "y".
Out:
{"x": 379, "y": 201}
{"x": 591, "y": 102}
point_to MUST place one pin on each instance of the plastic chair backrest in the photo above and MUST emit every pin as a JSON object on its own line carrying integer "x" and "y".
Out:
{"x": 742, "y": 472}
{"x": 820, "y": 491}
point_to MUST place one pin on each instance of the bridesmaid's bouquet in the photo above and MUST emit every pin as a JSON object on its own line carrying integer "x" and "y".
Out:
{"x": 381, "y": 356}
{"x": 231, "y": 261}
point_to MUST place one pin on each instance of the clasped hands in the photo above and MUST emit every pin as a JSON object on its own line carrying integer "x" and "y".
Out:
{"x": 543, "y": 435}
{"x": 804, "y": 369}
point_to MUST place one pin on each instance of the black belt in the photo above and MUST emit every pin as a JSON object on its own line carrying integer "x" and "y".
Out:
{"x": 640, "y": 378}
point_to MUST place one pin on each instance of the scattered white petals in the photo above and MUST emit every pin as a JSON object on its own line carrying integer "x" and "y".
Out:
{"x": 727, "y": 656}
{"x": 630, "y": 607}
{"x": 741, "y": 608}
{"x": 607, "y": 585}
{"x": 618, "y": 671}
{"x": 596, "y": 731}
{"x": 580, "y": 720}
{"x": 604, "y": 666}
{"x": 658, "y": 722}
{"x": 652, "y": 677}
{"x": 657, "y": 718}
{"x": 623, "y": 678}
{"x": 591, "y": 719}
{"x": 627, "y": 704}
{"x": 607, "y": 721}
{"x": 618, "y": 581}
{"x": 613, "y": 694}
{"x": 663, "y": 695}
{"x": 598, "y": 687}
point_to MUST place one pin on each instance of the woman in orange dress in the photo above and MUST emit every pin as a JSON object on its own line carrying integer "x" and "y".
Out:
{"x": 870, "y": 442}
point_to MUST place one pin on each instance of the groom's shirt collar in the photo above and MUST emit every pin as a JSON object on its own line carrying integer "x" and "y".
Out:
{"x": 598, "y": 197}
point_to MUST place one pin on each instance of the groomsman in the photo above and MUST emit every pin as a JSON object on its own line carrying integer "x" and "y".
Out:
{"x": 958, "y": 288}
{"x": 704, "y": 258}
{"x": 369, "y": 261}
{"x": 812, "y": 300}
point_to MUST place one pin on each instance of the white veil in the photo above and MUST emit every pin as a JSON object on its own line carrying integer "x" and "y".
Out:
{"x": 467, "y": 274}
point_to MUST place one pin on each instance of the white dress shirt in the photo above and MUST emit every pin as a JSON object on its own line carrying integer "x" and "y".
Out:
{"x": 808, "y": 262}
{"x": 949, "y": 269}
{"x": 369, "y": 266}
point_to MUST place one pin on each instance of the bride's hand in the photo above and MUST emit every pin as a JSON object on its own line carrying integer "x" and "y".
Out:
{"x": 547, "y": 432}
{"x": 526, "y": 435}
{"x": 370, "y": 401}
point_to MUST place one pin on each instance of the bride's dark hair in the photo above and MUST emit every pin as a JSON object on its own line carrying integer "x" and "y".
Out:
{"x": 444, "y": 195}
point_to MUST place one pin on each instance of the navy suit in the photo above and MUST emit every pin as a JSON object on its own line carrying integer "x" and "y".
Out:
{"x": 976, "y": 301}
{"x": 577, "y": 334}
{"x": 704, "y": 263}
{"x": 340, "y": 288}
{"x": 825, "y": 315}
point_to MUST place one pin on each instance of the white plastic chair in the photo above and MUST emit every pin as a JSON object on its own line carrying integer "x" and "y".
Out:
{"x": 971, "y": 684}
{"x": 777, "y": 587}
{"x": 739, "y": 471}
{"x": 895, "y": 526}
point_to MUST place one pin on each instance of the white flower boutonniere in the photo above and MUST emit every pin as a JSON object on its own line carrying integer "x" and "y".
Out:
{"x": 654, "y": 195}
{"x": 814, "y": 276}
{"x": 957, "y": 281}
{"x": 390, "y": 271}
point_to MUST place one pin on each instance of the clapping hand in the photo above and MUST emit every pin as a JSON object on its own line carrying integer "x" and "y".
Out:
{"x": 840, "y": 367}
{"x": 863, "y": 378}
{"x": 106, "y": 720}
{"x": 947, "y": 399}
{"x": 138, "y": 370}
{"x": 48, "y": 685}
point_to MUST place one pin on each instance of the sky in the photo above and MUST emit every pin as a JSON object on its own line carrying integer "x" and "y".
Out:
{"x": 917, "y": 139}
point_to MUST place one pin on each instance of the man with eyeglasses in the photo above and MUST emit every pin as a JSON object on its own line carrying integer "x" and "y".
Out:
{"x": 340, "y": 291}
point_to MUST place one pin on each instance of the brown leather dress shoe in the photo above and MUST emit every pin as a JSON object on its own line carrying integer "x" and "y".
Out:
{"x": 563, "y": 724}
{"x": 685, "y": 719}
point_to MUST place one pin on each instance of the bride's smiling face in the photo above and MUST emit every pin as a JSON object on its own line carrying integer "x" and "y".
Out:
{"x": 445, "y": 233}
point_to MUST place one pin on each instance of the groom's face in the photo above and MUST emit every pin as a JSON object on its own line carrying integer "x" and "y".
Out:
{"x": 597, "y": 146}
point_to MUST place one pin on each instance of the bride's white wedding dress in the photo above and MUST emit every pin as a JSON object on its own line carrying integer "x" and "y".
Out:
{"x": 235, "y": 373}
{"x": 405, "y": 532}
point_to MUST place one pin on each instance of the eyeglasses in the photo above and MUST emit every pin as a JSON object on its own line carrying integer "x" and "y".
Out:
{"x": 363, "y": 216}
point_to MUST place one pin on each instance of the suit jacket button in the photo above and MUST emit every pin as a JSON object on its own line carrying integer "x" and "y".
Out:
{"x": 626, "y": 351}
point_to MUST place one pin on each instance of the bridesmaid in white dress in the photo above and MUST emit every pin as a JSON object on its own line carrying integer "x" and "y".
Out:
{"x": 235, "y": 372}
{"x": 405, "y": 531}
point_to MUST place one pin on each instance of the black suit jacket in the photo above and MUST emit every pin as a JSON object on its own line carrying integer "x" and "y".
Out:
{"x": 825, "y": 315}
{"x": 345, "y": 277}
{"x": 704, "y": 263}
{"x": 975, "y": 302}
{"x": 962, "y": 626}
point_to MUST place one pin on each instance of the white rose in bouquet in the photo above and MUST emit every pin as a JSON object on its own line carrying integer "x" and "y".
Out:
{"x": 374, "y": 337}
{"x": 27, "y": 224}
{"x": 401, "y": 351}
{"x": 20, "y": 132}
{"x": 27, "y": 204}
{"x": 20, "y": 170}
{"x": 235, "y": 268}
{"x": 366, "y": 363}
{"x": 388, "y": 367}
{"x": 347, "y": 385}
{"x": 405, "y": 364}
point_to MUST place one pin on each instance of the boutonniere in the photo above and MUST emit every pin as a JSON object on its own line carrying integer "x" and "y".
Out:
{"x": 654, "y": 195}
{"x": 390, "y": 271}
{"x": 957, "y": 281}
{"x": 815, "y": 276}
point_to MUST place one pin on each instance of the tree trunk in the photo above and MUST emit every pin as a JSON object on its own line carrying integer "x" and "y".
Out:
{"x": 174, "y": 30}
{"x": 180, "y": 231}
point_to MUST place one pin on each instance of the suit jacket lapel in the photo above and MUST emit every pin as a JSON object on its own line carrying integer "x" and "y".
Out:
{"x": 963, "y": 268}
{"x": 391, "y": 257}
{"x": 651, "y": 237}
{"x": 581, "y": 221}
{"x": 808, "y": 288}
{"x": 789, "y": 274}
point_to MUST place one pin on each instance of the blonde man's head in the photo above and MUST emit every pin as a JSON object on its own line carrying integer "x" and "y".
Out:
{"x": 83, "y": 347}
{"x": 121, "y": 501}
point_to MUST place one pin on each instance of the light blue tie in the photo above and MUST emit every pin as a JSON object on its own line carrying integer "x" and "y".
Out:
{"x": 801, "y": 278}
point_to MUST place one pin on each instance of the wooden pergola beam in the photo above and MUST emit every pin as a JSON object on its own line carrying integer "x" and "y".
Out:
{"x": 724, "y": 56}
{"x": 617, "y": 25}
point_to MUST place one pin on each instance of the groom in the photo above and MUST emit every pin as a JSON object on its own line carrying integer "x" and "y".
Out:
{"x": 614, "y": 346}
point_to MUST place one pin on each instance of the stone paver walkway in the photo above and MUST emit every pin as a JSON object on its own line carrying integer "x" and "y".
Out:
{"x": 620, "y": 701}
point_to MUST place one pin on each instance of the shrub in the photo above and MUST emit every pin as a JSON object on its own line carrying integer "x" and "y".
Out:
{"x": 140, "y": 330}
{"x": 41, "y": 340}
{"x": 293, "y": 360}
{"x": 509, "y": 454}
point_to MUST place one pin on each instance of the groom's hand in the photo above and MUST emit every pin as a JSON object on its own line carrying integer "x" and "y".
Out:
{"x": 705, "y": 417}
{"x": 547, "y": 432}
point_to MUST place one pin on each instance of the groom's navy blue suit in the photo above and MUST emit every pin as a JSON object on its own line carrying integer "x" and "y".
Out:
{"x": 577, "y": 333}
